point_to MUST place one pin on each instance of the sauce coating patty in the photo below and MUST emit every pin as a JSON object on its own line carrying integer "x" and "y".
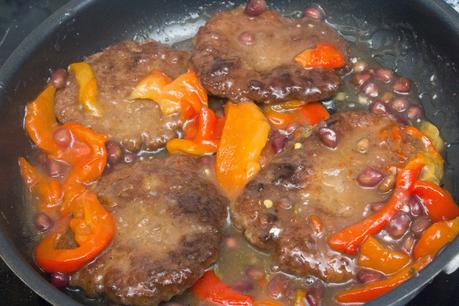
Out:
{"x": 168, "y": 231}
{"x": 135, "y": 124}
{"x": 252, "y": 58}
{"x": 278, "y": 211}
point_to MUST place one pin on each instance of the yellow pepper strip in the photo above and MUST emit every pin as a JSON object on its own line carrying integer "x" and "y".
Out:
{"x": 436, "y": 237}
{"x": 244, "y": 136}
{"x": 375, "y": 256}
{"x": 88, "y": 87}
{"x": 186, "y": 146}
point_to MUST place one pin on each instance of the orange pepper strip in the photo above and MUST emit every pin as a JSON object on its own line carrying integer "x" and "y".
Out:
{"x": 100, "y": 228}
{"x": 186, "y": 146}
{"x": 412, "y": 131}
{"x": 314, "y": 112}
{"x": 267, "y": 303}
{"x": 49, "y": 191}
{"x": 212, "y": 289}
{"x": 350, "y": 238}
{"x": 244, "y": 136}
{"x": 188, "y": 90}
{"x": 88, "y": 87}
{"x": 40, "y": 120}
{"x": 322, "y": 56}
{"x": 375, "y": 256}
{"x": 152, "y": 87}
{"x": 435, "y": 237}
{"x": 373, "y": 290}
{"x": 280, "y": 120}
{"x": 439, "y": 202}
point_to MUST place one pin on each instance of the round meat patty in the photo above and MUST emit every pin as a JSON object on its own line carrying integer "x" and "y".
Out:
{"x": 135, "y": 124}
{"x": 279, "y": 209}
{"x": 252, "y": 58}
{"x": 168, "y": 232}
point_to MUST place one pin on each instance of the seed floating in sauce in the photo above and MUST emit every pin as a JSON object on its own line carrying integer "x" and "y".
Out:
{"x": 230, "y": 243}
{"x": 398, "y": 225}
{"x": 114, "y": 153}
{"x": 369, "y": 177}
{"x": 387, "y": 183}
{"x": 328, "y": 137}
{"x": 43, "y": 222}
{"x": 59, "y": 280}
{"x": 363, "y": 145}
{"x": 129, "y": 157}
{"x": 59, "y": 78}
{"x": 247, "y": 38}
{"x": 255, "y": 8}
{"x": 360, "y": 66}
{"x": 371, "y": 89}
{"x": 366, "y": 276}
{"x": 402, "y": 85}
{"x": 62, "y": 137}
{"x": 419, "y": 225}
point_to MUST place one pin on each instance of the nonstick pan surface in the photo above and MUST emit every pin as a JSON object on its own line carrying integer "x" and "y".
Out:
{"x": 426, "y": 30}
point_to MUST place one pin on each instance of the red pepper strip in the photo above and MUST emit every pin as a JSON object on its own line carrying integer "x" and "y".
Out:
{"x": 212, "y": 289}
{"x": 322, "y": 56}
{"x": 350, "y": 238}
{"x": 93, "y": 229}
{"x": 49, "y": 191}
{"x": 314, "y": 113}
{"x": 439, "y": 202}
{"x": 435, "y": 237}
{"x": 40, "y": 120}
{"x": 373, "y": 290}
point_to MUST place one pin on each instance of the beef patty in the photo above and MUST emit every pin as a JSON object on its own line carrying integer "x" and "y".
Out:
{"x": 252, "y": 58}
{"x": 136, "y": 124}
{"x": 168, "y": 231}
{"x": 278, "y": 210}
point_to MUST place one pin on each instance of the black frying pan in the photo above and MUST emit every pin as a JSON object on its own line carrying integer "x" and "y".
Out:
{"x": 429, "y": 30}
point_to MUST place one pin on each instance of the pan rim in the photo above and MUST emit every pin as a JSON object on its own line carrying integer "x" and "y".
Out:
{"x": 35, "y": 281}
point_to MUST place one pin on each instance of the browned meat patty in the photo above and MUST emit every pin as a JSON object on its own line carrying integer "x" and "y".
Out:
{"x": 252, "y": 58}
{"x": 168, "y": 231}
{"x": 136, "y": 124}
{"x": 276, "y": 208}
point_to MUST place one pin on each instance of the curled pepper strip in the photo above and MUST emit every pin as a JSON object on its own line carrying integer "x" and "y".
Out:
{"x": 311, "y": 113}
{"x": 210, "y": 288}
{"x": 322, "y": 56}
{"x": 435, "y": 237}
{"x": 40, "y": 121}
{"x": 350, "y": 238}
{"x": 49, "y": 191}
{"x": 88, "y": 87}
{"x": 91, "y": 224}
{"x": 439, "y": 202}
{"x": 373, "y": 290}
{"x": 375, "y": 256}
{"x": 238, "y": 157}
{"x": 93, "y": 229}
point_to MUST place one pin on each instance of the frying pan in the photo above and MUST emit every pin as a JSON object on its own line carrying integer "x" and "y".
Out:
{"x": 425, "y": 31}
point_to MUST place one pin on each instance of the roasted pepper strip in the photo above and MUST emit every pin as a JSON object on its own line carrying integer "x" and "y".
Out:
{"x": 98, "y": 225}
{"x": 244, "y": 136}
{"x": 350, "y": 238}
{"x": 88, "y": 87}
{"x": 152, "y": 88}
{"x": 438, "y": 201}
{"x": 186, "y": 146}
{"x": 373, "y": 290}
{"x": 375, "y": 256}
{"x": 435, "y": 237}
{"x": 49, "y": 191}
{"x": 311, "y": 113}
{"x": 40, "y": 121}
{"x": 210, "y": 288}
{"x": 322, "y": 56}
